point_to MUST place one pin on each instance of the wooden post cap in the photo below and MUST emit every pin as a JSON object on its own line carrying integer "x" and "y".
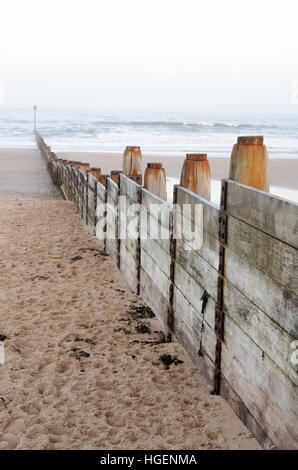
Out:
{"x": 156, "y": 166}
{"x": 133, "y": 147}
{"x": 251, "y": 140}
{"x": 198, "y": 157}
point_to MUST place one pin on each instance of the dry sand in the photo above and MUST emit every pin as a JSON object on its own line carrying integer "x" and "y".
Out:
{"x": 77, "y": 374}
{"x": 283, "y": 171}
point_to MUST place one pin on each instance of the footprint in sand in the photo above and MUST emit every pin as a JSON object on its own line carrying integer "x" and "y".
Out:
{"x": 63, "y": 366}
{"x": 114, "y": 421}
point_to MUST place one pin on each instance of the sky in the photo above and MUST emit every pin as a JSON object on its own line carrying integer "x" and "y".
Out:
{"x": 188, "y": 55}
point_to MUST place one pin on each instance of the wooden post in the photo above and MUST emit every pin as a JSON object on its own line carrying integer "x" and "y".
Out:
{"x": 249, "y": 163}
{"x": 155, "y": 180}
{"x": 136, "y": 178}
{"x": 195, "y": 174}
{"x": 96, "y": 172}
{"x": 132, "y": 161}
{"x": 103, "y": 179}
{"x": 84, "y": 167}
{"x": 115, "y": 176}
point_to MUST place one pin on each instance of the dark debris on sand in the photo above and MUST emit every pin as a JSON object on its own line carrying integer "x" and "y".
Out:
{"x": 143, "y": 311}
{"x": 167, "y": 360}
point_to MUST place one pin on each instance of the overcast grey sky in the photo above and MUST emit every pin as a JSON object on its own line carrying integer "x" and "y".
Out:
{"x": 215, "y": 55}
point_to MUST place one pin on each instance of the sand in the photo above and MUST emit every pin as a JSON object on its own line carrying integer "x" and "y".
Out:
{"x": 283, "y": 171}
{"x": 23, "y": 174}
{"x": 77, "y": 373}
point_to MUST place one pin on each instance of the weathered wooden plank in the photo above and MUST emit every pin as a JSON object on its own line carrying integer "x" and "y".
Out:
{"x": 155, "y": 273}
{"x": 131, "y": 245}
{"x": 270, "y": 214}
{"x": 193, "y": 320}
{"x": 149, "y": 198}
{"x": 161, "y": 258}
{"x": 129, "y": 188}
{"x": 112, "y": 248}
{"x": 193, "y": 292}
{"x": 152, "y": 231}
{"x": 92, "y": 181}
{"x": 112, "y": 221}
{"x": 101, "y": 193}
{"x": 268, "y": 394}
{"x": 209, "y": 250}
{"x": 184, "y": 336}
{"x": 81, "y": 191}
{"x": 128, "y": 266}
{"x": 210, "y": 211}
{"x": 275, "y": 258}
{"x": 266, "y": 333}
{"x": 241, "y": 410}
{"x": 154, "y": 298}
{"x": 75, "y": 185}
{"x": 112, "y": 191}
{"x": 275, "y": 300}
{"x": 198, "y": 270}
{"x": 158, "y": 208}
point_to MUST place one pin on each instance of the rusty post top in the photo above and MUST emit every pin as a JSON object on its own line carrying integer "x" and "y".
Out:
{"x": 156, "y": 166}
{"x": 116, "y": 172}
{"x": 198, "y": 157}
{"x": 251, "y": 140}
{"x": 133, "y": 147}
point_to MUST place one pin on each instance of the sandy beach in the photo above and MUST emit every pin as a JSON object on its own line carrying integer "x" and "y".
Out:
{"x": 78, "y": 374}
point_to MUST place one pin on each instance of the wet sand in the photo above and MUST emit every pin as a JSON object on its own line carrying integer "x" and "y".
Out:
{"x": 23, "y": 174}
{"x": 283, "y": 172}
{"x": 78, "y": 375}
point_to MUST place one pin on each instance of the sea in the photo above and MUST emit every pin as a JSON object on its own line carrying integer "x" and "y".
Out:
{"x": 157, "y": 133}
{"x": 162, "y": 133}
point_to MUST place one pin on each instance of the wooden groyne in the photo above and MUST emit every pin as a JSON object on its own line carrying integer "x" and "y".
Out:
{"x": 231, "y": 302}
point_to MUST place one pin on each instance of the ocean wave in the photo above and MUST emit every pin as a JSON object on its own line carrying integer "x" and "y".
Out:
{"x": 185, "y": 124}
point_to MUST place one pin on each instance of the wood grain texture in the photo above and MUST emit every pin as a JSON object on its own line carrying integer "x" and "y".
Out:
{"x": 129, "y": 188}
{"x": 157, "y": 253}
{"x": 276, "y": 301}
{"x": 210, "y": 211}
{"x": 271, "y": 338}
{"x": 270, "y": 397}
{"x": 101, "y": 193}
{"x": 155, "y": 273}
{"x": 152, "y": 295}
{"x": 271, "y": 256}
{"x": 185, "y": 337}
{"x": 193, "y": 320}
{"x": 192, "y": 269}
{"x": 270, "y": 214}
{"x": 128, "y": 266}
